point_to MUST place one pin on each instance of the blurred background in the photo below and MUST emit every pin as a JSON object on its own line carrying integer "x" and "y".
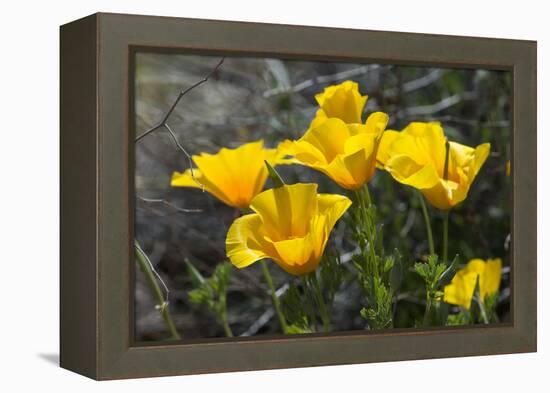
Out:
{"x": 248, "y": 99}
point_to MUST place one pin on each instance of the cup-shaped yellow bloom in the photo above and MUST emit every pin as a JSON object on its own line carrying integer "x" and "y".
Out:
{"x": 343, "y": 101}
{"x": 461, "y": 289}
{"x": 234, "y": 176}
{"x": 344, "y": 152}
{"x": 291, "y": 225}
{"x": 416, "y": 157}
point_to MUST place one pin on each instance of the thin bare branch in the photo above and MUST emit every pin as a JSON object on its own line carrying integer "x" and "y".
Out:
{"x": 189, "y": 158}
{"x": 439, "y": 106}
{"x": 171, "y": 205}
{"x": 348, "y": 256}
{"x": 167, "y": 291}
{"x": 177, "y": 100}
{"x": 416, "y": 84}
{"x": 320, "y": 79}
{"x": 163, "y": 123}
{"x": 473, "y": 123}
{"x": 409, "y": 223}
{"x": 259, "y": 323}
{"x": 266, "y": 316}
{"x": 184, "y": 92}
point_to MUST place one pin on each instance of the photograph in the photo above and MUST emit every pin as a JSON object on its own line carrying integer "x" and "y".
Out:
{"x": 235, "y": 196}
{"x": 289, "y": 196}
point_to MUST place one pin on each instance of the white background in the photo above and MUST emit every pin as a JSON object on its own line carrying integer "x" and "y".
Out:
{"x": 29, "y": 164}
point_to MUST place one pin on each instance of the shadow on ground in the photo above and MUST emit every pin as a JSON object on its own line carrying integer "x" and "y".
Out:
{"x": 52, "y": 358}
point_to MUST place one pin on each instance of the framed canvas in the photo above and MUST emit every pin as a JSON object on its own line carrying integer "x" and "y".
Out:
{"x": 241, "y": 196}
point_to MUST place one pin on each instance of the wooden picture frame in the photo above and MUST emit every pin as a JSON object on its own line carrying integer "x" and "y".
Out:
{"x": 97, "y": 196}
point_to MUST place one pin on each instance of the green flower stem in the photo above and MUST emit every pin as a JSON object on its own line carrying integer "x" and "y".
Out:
{"x": 366, "y": 192}
{"x": 445, "y": 236}
{"x": 310, "y": 311}
{"x": 446, "y": 213}
{"x": 323, "y": 311}
{"x": 146, "y": 268}
{"x": 428, "y": 310}
{"x": 274, "y": 297}
{"x": 483, "y": 314}
{"x": 225, "y": 323}
{"x": 432, "y": 307}
{"x": 359, "y": 198}
{"x": 363, "y": 197}
{"x": 482, "y": 311}
{"x": 428, "y": 224}
{"x": 223, "y": 315}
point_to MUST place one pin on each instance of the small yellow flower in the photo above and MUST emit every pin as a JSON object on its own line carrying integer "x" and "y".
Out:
{"x": 291, "y": 225}
{"x": 341, "y": 101}
{"x": 344, "y": 152}
{"x": 461, "y": 289}
{"x": 234, "y": 176}
{"x": 416, "y": 157}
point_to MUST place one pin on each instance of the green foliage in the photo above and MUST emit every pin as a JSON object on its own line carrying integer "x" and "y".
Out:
{"x": 490, "y": 303}
{"x": 274, "y": 175}
{"x": 332, "y": 276}
{"x": 379, "y": 313}
{"x": 297, "y": 309}
{"x": 483, "y": 310}
{"x": 462, "y": 318}
{"x": 298, "y": 329}
{"x": 435, "y": 276}
{"x": 430, "y": 271}
{"x": 396, "y": 273}
{"x": 379, "y": 275}
{"x": 304, "y": 305}
{"x": 211, "y": 292}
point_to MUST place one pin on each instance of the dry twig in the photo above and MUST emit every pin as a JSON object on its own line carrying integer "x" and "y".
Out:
{"x": 164, "y": 122}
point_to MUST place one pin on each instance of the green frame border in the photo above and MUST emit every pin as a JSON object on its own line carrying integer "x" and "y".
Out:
{"x": 97, "y": 209}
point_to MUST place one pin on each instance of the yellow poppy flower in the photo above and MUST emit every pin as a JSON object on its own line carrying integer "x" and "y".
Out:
{"x": 291, "y": 225}
{"x": 461, "y": 289}
{"x": 416, "y": 157}
{"x": 341, "y": 101}
{"x": 234, "y": 176}
{"x": 344, "y": 152}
